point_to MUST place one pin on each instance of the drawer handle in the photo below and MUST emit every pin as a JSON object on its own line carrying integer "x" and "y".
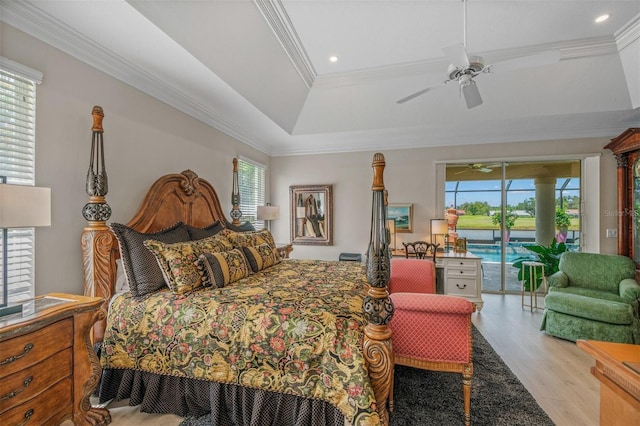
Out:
{"x": 27, "y": 416}
{"x": 11, "y": 359}
{"x": 12, "y": 394}
{"x": 463, "y": 286}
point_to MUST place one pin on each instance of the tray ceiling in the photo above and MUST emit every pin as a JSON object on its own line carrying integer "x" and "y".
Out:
{"x": 260, "y": 71}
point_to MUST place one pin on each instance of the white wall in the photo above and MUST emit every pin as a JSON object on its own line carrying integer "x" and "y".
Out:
{"x": 143, "y": 140}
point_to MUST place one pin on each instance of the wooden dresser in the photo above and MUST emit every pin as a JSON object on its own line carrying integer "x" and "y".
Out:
{"x": 48, "y": 369}
{"x": 618, "y": 369}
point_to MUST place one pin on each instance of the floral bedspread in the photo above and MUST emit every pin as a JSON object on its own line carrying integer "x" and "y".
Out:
{"x": 296, "y": 327}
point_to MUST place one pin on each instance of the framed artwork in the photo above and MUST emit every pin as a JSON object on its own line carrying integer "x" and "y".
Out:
{"x": 460, "y": 245}
{"x": 311, "y": 214}
{"x": 402, "y": 214}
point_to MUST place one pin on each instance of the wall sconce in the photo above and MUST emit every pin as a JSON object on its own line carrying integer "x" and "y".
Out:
{"x": 268, "y": 213}
{"x": 391, "y": 224}
{"x": 21, "y": 206}
{"x": 439, "y": 227}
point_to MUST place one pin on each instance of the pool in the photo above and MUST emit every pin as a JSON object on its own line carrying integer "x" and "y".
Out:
{"x": 491, "y": 252}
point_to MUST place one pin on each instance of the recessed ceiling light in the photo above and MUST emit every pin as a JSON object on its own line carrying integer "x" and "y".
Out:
{"x": 333, "y": 58}
{"x": 603, "y": 18}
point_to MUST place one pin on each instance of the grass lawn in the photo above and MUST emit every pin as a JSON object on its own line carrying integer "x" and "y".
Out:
{"x": 484, "y": 222}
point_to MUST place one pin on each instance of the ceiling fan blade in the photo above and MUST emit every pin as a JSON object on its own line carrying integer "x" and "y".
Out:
{"x": 471, "y": 94}
{"x": 457, "y": 54}
{"x": 539, "y": 59}
{"x": 421, "y": 92}
{"x": 415, "y": 95}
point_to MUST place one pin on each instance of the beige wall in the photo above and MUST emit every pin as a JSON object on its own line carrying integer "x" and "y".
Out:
{"x": 144, "y": 139}
{"x": 410, "y": 177}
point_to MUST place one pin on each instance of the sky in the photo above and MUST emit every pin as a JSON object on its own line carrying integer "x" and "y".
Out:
{"x": 489, "y": 191}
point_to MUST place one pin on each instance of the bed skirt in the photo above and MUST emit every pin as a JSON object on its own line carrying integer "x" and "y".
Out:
{"x": 228, "y": 404}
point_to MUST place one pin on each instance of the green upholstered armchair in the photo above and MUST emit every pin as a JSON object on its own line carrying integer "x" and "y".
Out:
{"x": 593, "y": 296}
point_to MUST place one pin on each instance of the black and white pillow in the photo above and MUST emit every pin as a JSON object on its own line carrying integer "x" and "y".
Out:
{"x": 140, "y": 266}
{"x": 201, "y": 233}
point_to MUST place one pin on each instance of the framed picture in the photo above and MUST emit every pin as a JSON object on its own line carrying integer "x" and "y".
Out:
{"x": 402, "y": 214}
{"x": 460, "y": 245}
{"x": 311, "y": 214}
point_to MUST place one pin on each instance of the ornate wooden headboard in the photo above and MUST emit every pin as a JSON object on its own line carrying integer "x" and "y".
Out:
{"x": 174, "y": 197}
{"x": 178, "y": 197}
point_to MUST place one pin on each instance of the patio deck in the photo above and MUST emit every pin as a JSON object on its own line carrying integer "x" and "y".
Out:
{"x": 491, "y": 277}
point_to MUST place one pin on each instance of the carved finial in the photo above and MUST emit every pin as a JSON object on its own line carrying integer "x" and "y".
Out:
{"x": 235, "y": 213}
{"x": 98, "y": 115}
{"x": 97, "y": 209}
{"x": 378, "y": 170}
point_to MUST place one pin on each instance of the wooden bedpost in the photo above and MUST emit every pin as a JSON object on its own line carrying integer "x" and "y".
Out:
{"x": 235, "y": 214}
{"x": 97, "y": 241}
{"x": 377, "y": 306}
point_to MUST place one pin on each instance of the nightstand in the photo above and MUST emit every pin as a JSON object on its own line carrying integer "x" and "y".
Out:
{"x": 48, "y": 369}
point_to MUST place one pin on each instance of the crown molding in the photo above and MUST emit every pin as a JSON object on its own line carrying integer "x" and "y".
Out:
{"x": 282, "y": 27}
{"x": 31, "y": 20}
{"x": 628, "y": 33}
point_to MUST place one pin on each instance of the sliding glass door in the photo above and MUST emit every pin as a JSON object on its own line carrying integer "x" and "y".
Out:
{"x": 503, "y": 207}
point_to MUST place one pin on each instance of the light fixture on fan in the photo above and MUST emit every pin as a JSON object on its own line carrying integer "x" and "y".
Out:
{"x": 464, "y": 68}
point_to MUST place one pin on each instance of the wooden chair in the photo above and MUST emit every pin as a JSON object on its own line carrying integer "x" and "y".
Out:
{"x": 430, "y": 331}
{"x": 420, "y": 250}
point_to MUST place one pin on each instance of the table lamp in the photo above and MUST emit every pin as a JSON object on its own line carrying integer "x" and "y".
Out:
{"x": 268, "y": 213}
{"x": 21, "y": 206}
{"x": 439, "y": 227}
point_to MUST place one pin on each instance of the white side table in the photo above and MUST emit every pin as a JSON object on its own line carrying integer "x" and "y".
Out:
{"x": 534, "y": 269}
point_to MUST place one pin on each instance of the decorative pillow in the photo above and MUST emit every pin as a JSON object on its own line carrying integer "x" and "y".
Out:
{"x": 121, "y": 280}
{"x": 140, "y": 266}
{"x": 243, "y": 227}
{"x": 220, "y": 269}
{"x": 200, "y": 233}
{"x": 251, "y": 239}
{"x": 261, "y": 256}
{"x": 178, "y": 261}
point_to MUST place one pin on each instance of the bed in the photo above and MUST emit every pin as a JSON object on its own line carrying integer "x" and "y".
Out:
{"x": 283, "y": 341}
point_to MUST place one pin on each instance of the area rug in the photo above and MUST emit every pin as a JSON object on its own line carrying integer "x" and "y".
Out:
{"x": 424, "y": 398}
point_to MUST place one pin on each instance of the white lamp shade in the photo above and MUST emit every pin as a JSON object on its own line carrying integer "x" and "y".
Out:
{"x": 268, "y": 212}
{"x": 439, "y": 226}
{"x": 24, "y": 206}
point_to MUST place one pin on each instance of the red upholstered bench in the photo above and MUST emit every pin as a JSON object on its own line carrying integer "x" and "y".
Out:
{"x": 430, "y": 331}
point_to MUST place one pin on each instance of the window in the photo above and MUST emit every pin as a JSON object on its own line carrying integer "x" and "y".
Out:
{"x": 251, "y": 183}
{"x": 17, "y": 164}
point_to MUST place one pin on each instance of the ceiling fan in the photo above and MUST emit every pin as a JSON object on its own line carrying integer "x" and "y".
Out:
{"x": 464, "y": 68}
{"x": 480, "y": 167}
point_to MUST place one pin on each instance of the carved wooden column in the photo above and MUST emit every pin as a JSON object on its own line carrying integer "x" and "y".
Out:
{"x": 97, "y": 241}
{"x": 235, "y": 214}
{"x": 377, "y": 306}
{"x": 624, "y": 243}
{"x": 86, "y": 369}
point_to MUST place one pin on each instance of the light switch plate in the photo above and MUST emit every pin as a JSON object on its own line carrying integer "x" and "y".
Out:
{"x": 612, "y": 233}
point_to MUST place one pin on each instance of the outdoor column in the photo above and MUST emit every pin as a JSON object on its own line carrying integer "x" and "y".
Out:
{"x": 545, "y": 210}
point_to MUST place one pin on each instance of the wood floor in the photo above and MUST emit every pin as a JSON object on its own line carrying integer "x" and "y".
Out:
{"x": 556, "y": 372}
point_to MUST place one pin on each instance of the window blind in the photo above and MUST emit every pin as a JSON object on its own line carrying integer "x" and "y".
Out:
{"x": 17, "y": 164}
{"x": 251, "y": 183}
